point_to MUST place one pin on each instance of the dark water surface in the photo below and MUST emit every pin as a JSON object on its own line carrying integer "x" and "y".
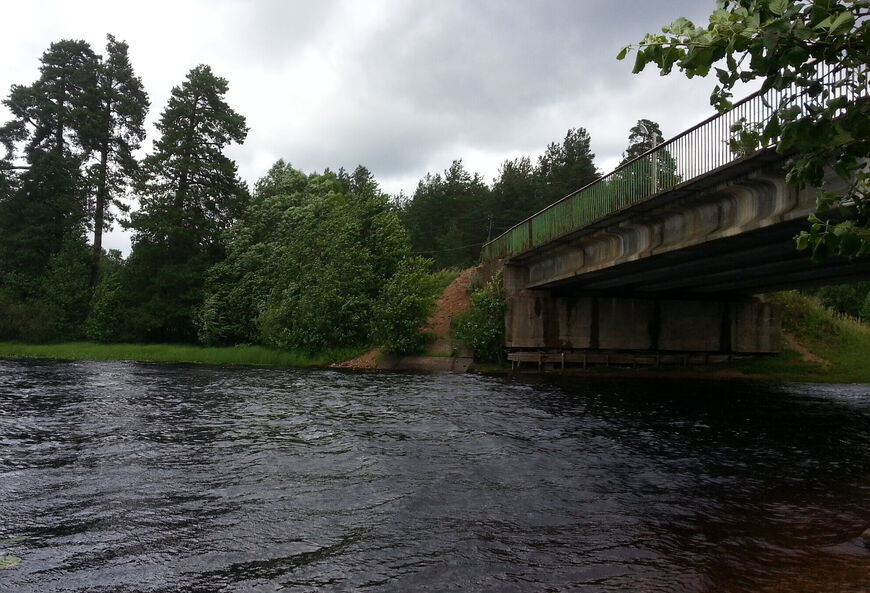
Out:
{"x": 129, "y": 477}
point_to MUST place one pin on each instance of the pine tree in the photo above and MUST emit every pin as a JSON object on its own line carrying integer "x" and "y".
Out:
{"x": 515, "y": 194}
{"x": 566, "y": 167}
{"x": 643, "y": 136}
{"x": 48, "y": 205}
{"x": 448, "y": 216}
{"x": 115, "y": 132}
{"x": 192, "y": 194}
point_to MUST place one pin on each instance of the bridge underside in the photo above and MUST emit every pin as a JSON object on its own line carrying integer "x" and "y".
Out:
{"x": 676, "y": 273}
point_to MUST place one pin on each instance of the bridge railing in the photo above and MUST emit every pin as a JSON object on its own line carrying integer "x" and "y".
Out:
{"x": 714, "y": 143}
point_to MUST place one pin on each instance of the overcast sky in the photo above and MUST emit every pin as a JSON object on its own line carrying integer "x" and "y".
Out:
{"x": 403, "y": 87}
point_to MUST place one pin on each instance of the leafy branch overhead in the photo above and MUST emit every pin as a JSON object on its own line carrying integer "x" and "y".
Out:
{"x": 817, "y": 52}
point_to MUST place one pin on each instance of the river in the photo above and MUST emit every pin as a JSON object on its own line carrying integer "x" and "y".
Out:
{"x": 122, "y": 477}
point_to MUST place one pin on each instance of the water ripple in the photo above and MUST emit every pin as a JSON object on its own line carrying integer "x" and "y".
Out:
{"x": 132, "y": 477}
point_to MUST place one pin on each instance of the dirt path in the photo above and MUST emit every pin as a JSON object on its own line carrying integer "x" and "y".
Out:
{"x": 792, "y": 344}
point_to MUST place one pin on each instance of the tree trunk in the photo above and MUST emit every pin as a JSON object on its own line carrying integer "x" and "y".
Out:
{"x": 99, "y": 214}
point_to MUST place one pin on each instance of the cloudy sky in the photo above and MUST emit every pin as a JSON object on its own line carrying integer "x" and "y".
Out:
{"x": 403, "y": 87}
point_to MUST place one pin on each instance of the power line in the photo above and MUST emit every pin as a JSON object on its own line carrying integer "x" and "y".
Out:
{"x": 448, "y": 250}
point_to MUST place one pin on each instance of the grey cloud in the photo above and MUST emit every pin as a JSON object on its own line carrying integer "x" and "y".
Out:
{"x": 441, "y": 74}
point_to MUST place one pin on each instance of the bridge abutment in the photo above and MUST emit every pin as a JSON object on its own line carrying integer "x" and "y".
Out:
{"x": 542, "y": 319}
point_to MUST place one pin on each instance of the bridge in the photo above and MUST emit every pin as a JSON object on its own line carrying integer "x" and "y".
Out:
{"x": 663, "y": 256}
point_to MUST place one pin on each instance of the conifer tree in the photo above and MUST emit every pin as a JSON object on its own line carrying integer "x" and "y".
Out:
{"x": 115, "y": 132}
{"x": 192, "y": 194}
{"x": 643, "y": 136}
{"x": 48, "y": 205}
{"x": 566, "y": 167}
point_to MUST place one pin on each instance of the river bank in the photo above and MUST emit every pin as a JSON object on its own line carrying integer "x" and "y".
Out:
{"x": 819, "y": 347}
{"x": 177, "y": 353}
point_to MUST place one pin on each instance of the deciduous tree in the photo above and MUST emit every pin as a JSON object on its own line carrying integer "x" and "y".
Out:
{"x": 305, "y": 264}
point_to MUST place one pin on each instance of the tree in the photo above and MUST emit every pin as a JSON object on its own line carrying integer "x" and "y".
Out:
{"x": 115, "y": 133}
{"x": 357, "y": 181}
{"x": 819, "y": 48}
{"x": 406, "y": 302}
{"x": 515, "y": 194}
{"x": 191, "y": 197}
{"x": 193, "y": 192}
{"x": 482, "y": 326}
{"x": 448, "y": 217}
{"x": 305, "y": 265}
{"x": 48, "y": 204}
{"x": 649, "y": 175}
{"x": 106, "y": 317}
{"x": 643, "y": 137}
{"x": 844, "y": 298}
{"x": 568, "y": 166}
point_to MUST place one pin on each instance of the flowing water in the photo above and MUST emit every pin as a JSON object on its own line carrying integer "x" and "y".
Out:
{"x": 121, "y": 477}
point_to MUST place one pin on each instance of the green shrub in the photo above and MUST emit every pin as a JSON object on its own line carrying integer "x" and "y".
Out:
{"x": 864, "y": 313}
{"x": 804, "y": 316}
{"x": 482, "y": 327}
{"x": 844, "y": 298}
{"x": 406, "y": 302}
{"x": 107, "y": 313}
{"x": 66, "y": 292}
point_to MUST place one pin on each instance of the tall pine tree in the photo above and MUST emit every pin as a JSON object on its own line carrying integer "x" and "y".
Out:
{"x": 49, "y": 204}
{"x": 192, "y": 195}
{"x": 643, "y": 136}
{"x": 116, "y": 130}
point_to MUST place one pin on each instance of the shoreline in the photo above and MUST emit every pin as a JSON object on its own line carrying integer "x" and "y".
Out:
{"x": 788, "y": 367}
{"x": 174, "y": 353}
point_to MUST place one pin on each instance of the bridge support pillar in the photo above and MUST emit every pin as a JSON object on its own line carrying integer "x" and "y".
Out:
{"x": 539, "y": 319}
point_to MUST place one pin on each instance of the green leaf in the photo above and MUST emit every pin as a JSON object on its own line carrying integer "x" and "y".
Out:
{"x": 640, "y": 62}
{"x": 778, "y": 7}
{"x": 623, "y": 52}
{"x": 820, "y": 249}
{"x": 772, "y": 129}
{"x": 802, "y": 241}
{"x": 842, "y": 22}
{"x": 9, "y": 562}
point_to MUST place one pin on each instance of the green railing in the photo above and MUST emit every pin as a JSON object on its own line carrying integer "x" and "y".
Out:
{"x": 696, "y": 152}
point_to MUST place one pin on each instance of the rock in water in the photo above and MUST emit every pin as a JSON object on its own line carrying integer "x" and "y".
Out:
{"x": 866, "y": 537}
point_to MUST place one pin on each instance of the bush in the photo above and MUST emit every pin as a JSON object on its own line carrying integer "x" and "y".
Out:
{"x": 482, "y": 327}
{"x": 407, "y": 300}
{"x": 107, "y": 317}
{"x": 305, "y": 265}
{"x": 66, "y": 292}
{"x": 844, "y": 298}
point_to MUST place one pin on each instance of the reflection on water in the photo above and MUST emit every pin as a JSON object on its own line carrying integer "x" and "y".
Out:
{"x": 129, "y": 477}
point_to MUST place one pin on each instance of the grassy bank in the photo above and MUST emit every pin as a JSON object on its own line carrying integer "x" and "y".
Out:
{"x": 173, "y": 353}
{"x": 826, "y": 347}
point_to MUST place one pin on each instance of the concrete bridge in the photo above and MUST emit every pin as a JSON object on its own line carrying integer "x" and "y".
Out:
{"x": 663, "y": 257}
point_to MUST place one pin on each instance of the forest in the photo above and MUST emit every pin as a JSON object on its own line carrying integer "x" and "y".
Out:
{"x": 306, "y": 261}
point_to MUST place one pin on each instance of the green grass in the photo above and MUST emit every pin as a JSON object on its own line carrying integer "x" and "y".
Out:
{"x": 843, "y": 343}
{"x": 174, "y": 353}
